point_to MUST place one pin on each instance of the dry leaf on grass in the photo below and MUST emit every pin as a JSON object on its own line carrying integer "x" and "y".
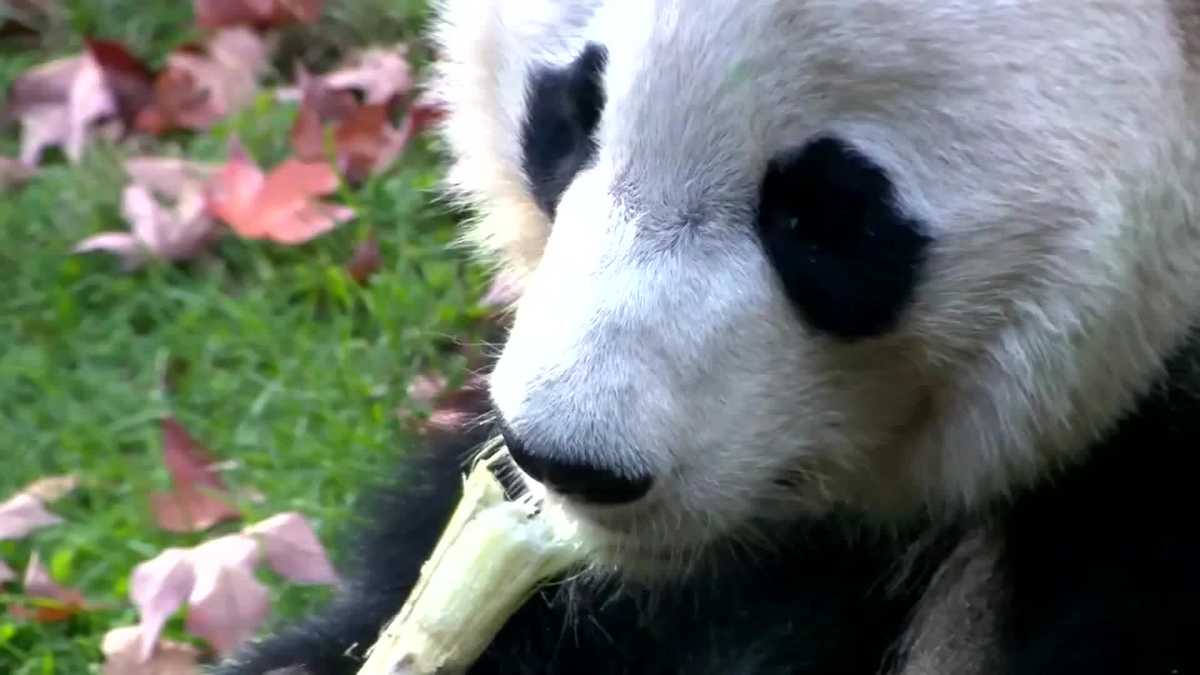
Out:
{"x": 226, "y": 603}
{"x": 227, "y": 606}
{"x": 365, "y": 141}
{"x": 179, "y": 233}
{"x": 108, "y": 90}
{"x": 381, "y": 75}
{"x": 292, "y": 549}
{"x": 257, "y": 13}
{"x": 167, "y": 212}
{"x": 157, "y": 588}
{"x": 198, "y": 498}
{"x": 202, "y": 85}
{"x": 22, "y": 514}
{"x": 25, "y": 512}
{"x": 282, "y": 205}
{"x": 170, "y": 177}
{"x": 129, "y": 81}
{"x": 52, "y": 488}
{"x": 61, "y": 103}
{"x": 123, "y": 655}
{"x": 52, "y": 602}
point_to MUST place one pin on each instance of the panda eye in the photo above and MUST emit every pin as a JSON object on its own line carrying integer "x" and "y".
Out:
{"x": 849, "y": 259}
{"x": 557, "y": 137}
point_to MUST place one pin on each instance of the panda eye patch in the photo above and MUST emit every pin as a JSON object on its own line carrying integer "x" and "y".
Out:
{"x": 849, "y": 259}
{"x": 557, "y": 137}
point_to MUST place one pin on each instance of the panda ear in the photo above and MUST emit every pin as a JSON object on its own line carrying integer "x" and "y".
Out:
{"x": 487, "y": 50}
{"x": 848, "y": 257}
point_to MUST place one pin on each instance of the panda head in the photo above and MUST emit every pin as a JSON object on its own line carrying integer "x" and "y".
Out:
{"x": 787, "y": 257}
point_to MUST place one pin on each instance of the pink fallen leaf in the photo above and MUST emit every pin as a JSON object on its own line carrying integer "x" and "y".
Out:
{"x": 190, "y": 510}
{"x": 222, "y": 13}
{"x": 198, "y": 499}
{"x": 122, "y": 648}
{"x": 201, "y": 86}
{"x": 232, "y": 550}
{"x": 319, "y": 104}
{"x": 364, "y": 140}
{"x": 367, "y": 143}
{"x": 308, "y": 134}
{"x": 258, "y": 13}
{"x": 6, "y": 573}
{"x": 423, "y": 113}
{"x": 59, "y": 103}
{"x": 282, "y": 205}
{"x": 329, "y": 103}
{"x": 22, "y": 514}
{"x": 215, "y": 579}
{"x": 293, "y": 550}
{"x": 39, "y": 585}
{"x": 188, "y": 462}
{"x": 159, "y": 587}
{"x": 41, "y": 85}
{"x": 129, "y": 81}
{"x": 226, "y": 607}
{"x": 380, "y": 74}
{"x": 52, "y": 488}
{"x": 167, "y": 211}
{"x": 170, "y": 177}
{"x": 178, "y": 233}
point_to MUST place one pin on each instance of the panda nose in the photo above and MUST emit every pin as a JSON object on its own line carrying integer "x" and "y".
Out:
{"x": 573, "y": 478}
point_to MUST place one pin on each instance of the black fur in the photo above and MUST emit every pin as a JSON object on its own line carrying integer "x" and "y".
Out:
{"x": 562, "y": 111}
{"x": 848, "y": 257}
{"x": 1104, "y": 565}
{"x": 1094, "y": 573}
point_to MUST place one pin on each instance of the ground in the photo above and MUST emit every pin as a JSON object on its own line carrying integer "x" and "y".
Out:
{"x": 281, "y": 364}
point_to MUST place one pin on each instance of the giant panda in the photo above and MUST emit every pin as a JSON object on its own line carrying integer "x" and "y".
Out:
{"x": 863, "y": 328}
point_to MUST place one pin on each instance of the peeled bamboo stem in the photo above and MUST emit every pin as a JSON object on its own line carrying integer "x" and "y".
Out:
{"x": 490, "y": 559}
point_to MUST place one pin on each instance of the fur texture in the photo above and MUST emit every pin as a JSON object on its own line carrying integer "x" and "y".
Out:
{"x": 1095, "y": 577}
{"x": 1048, "y": 149}
{"x": 989, "y": 479}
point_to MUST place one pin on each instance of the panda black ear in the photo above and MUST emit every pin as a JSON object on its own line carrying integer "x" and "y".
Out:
{"x": 848, "y": 257}
{"x": 563, "y": 108}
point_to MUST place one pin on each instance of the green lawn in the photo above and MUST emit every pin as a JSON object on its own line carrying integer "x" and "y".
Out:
{"x": 283, "y": 365}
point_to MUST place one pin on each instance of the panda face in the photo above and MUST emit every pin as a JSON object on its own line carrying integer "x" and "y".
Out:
{"x": 792, "y": 256}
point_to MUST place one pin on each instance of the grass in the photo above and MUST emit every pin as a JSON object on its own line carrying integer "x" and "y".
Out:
{"x": 282, "y": 364}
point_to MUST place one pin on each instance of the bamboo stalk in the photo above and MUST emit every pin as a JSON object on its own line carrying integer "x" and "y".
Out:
{"x": 492, "y": 556}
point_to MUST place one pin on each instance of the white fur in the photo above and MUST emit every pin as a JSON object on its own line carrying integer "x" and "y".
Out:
{"x": 1049, "y": 145}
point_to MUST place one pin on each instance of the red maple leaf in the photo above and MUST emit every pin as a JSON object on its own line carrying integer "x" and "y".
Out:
{"x": 198, "y": 498}
{"x": 281, "y": 205}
